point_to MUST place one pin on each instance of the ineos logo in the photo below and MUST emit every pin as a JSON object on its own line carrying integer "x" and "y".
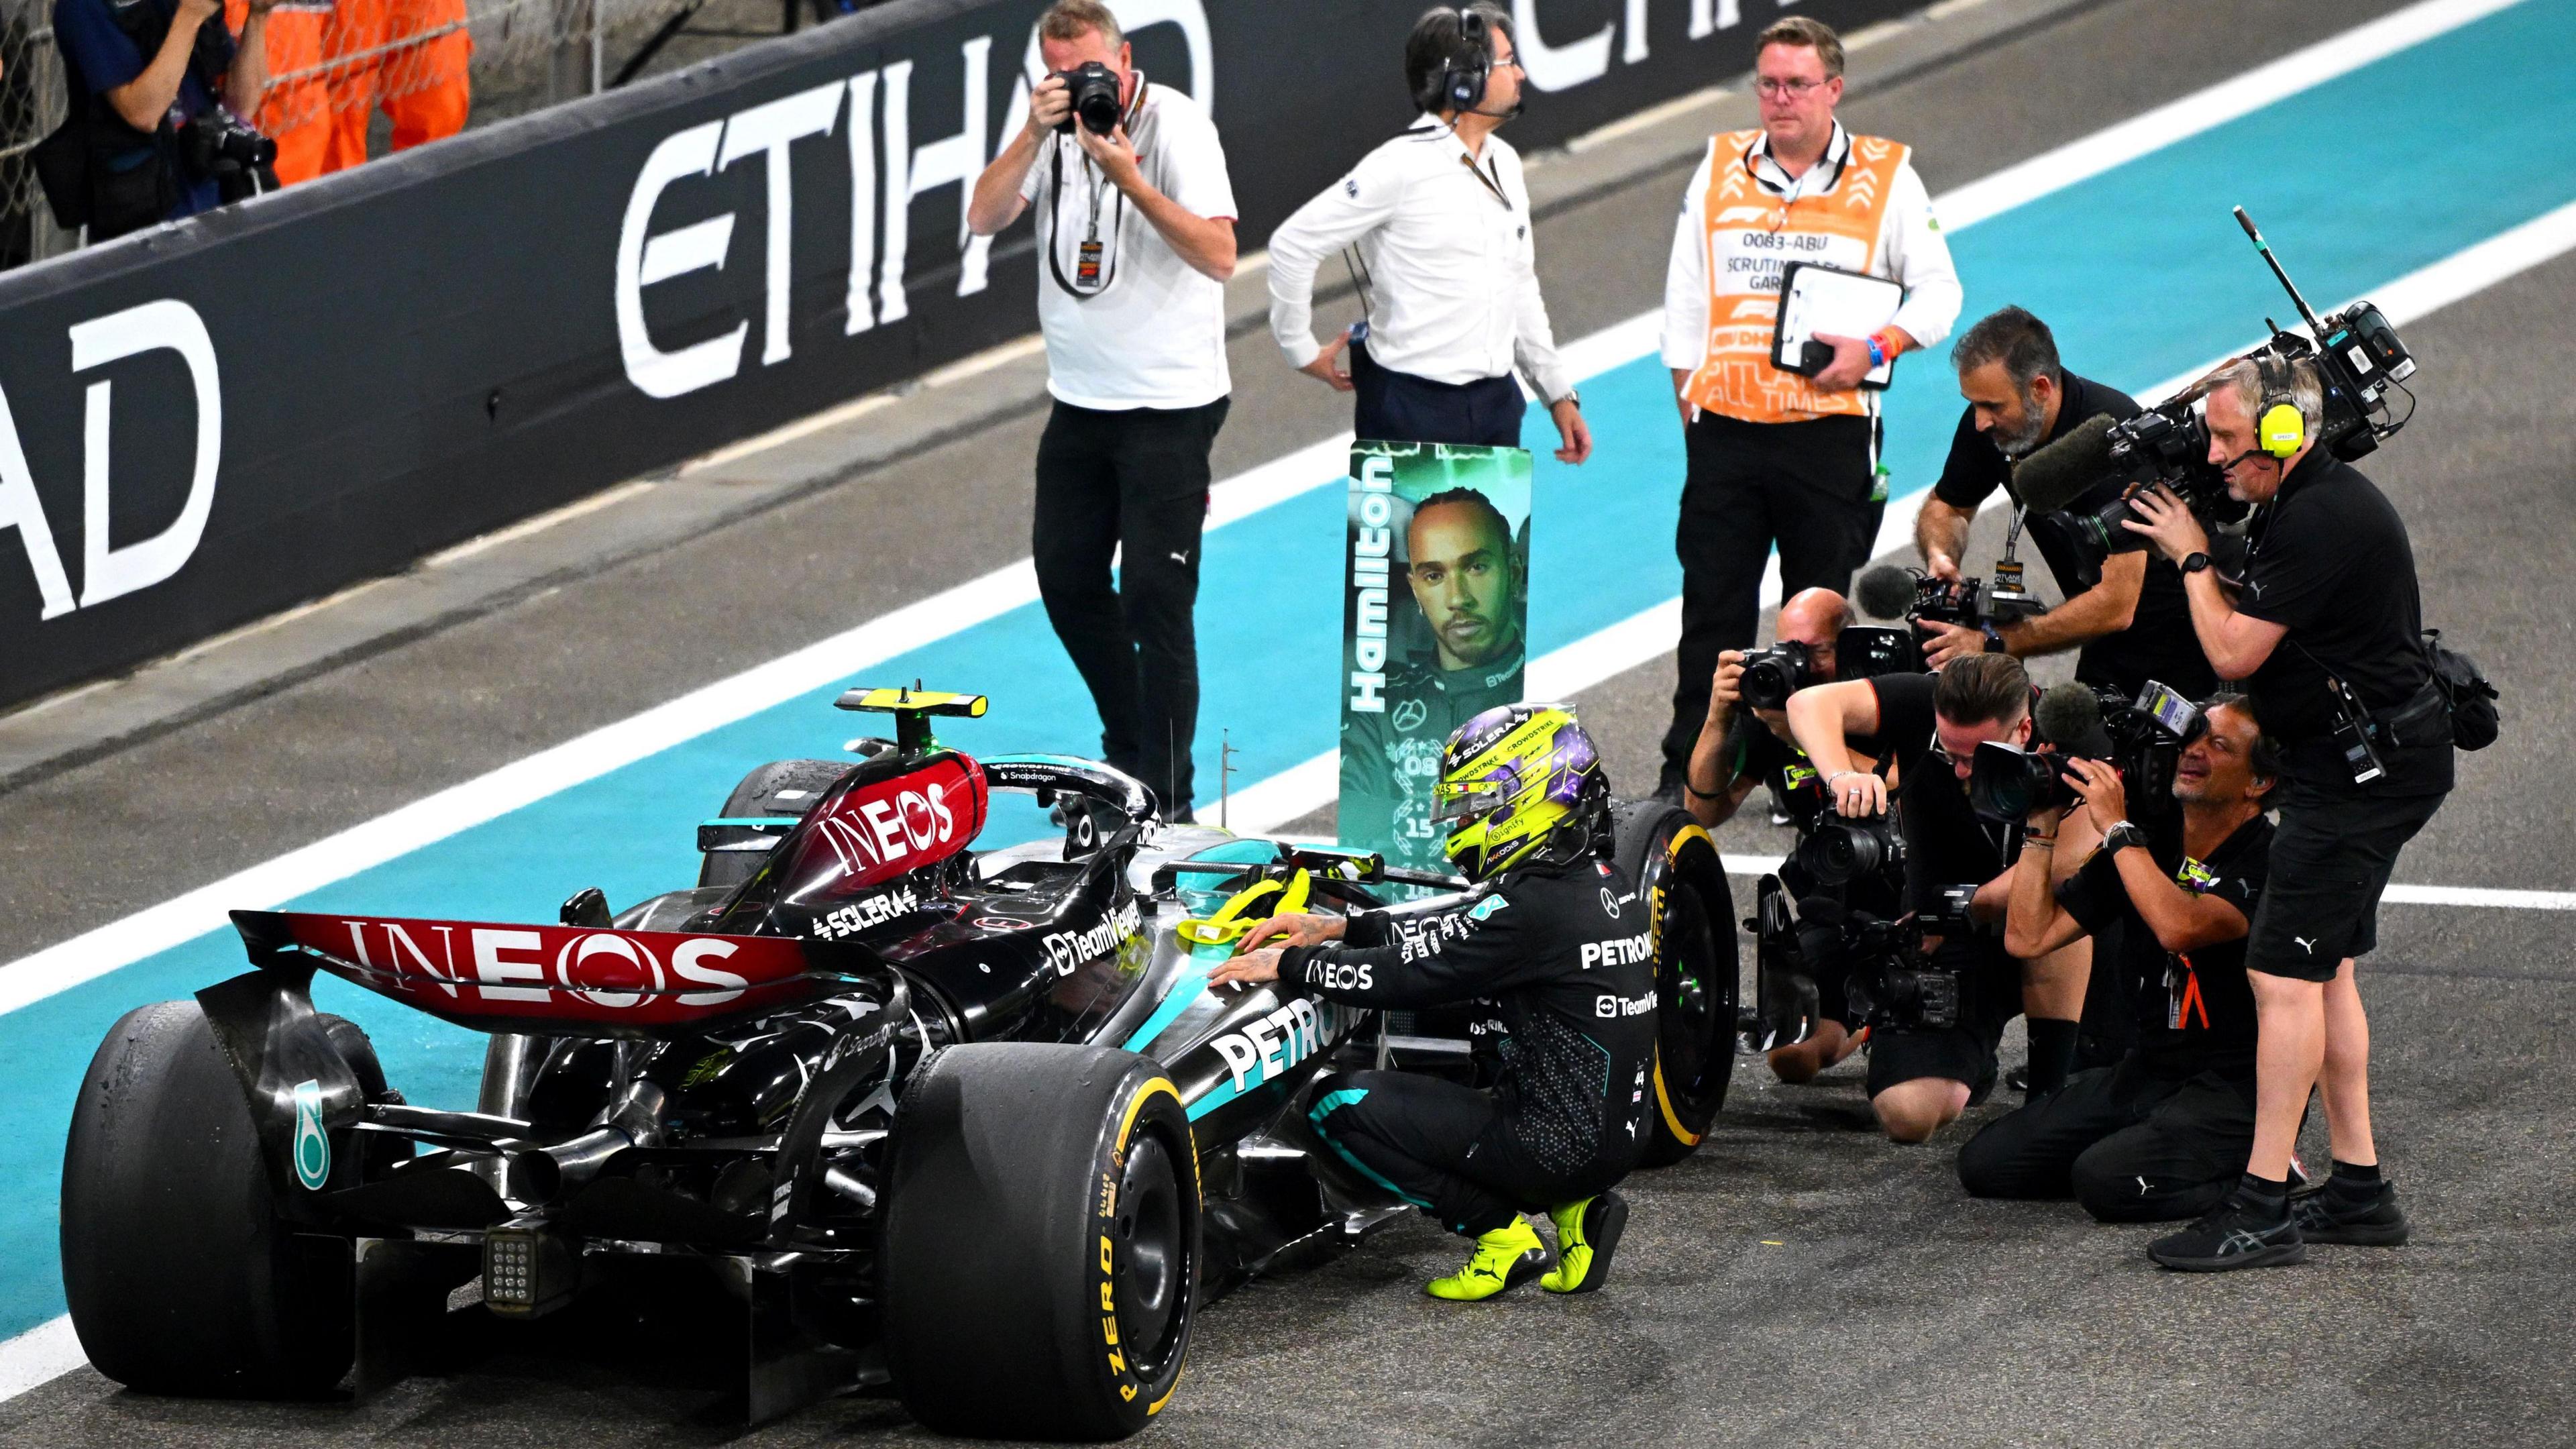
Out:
{"x": 594, "y": 967}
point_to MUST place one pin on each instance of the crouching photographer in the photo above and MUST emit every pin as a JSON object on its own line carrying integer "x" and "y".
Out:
{"x": 1943, "y": 985}
{"x": 157, "y": 89}
{"x": 2162, "y": 1133}
{"x": 1745, "y": 743}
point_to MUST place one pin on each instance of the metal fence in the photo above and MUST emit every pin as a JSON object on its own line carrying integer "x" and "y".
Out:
{"x": 362, "y": 62}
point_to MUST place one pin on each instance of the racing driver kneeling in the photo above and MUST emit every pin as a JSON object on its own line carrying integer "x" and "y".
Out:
{"x": 1557, "y": 939}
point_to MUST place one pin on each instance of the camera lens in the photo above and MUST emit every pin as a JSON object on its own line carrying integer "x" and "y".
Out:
{"x": 1841, "y": 851}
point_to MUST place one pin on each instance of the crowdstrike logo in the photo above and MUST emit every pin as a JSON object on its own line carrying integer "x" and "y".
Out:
{"x": 110, "y": 571}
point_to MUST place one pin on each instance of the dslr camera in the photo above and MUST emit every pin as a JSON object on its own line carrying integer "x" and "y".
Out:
{"x": 1839, "y": 851}
{"x": 1886, "y": 977}
{"x": 2143, "y": 739}
{"x": 1093, "y": 89}
{"x": 219, "y": 146}
{"x": 1772, "y": 675}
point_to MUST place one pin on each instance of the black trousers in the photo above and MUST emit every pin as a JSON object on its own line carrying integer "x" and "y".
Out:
{"x": 1134, "y": 482}
{"x": 1443, "y": 1147}
{"x": 2132, "y": 1145}
{"x": 1803, "y": 486}
{"x": 1397, "y": 407}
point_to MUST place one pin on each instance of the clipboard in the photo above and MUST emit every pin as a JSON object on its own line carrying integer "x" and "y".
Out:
{"x": 1816, "y": 298}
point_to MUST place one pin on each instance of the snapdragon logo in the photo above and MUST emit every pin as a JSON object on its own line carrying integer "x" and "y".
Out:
{"x": 108, "y": 570}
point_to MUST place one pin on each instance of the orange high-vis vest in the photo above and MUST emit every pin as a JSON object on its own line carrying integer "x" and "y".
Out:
{"x": 1749, "y": 237}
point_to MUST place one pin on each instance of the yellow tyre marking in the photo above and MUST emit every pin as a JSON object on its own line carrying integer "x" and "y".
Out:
{"x": 1126, "y": 1126}
{"x": 1672, "y": 1123}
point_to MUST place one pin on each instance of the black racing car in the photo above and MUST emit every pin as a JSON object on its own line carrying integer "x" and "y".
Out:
{"x": 969, "y": 1127}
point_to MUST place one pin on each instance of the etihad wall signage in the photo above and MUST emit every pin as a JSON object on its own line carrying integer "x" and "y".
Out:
{"x": 208, "y": 422}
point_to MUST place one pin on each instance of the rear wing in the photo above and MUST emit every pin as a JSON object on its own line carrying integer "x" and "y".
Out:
{"x": 557, "y": 980}
{"x": 911, "y": 709}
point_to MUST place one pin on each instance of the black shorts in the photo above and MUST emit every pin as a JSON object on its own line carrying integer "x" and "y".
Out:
{"x": 1989, "y": 996}
{"x": 2331, "y": 859}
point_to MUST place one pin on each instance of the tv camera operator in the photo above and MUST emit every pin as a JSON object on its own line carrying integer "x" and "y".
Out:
{"x": 2327, "y": 630}
{"x": 1135, "y": 216}
{"x": 1745, "y": 743}
{"x": 2162, "y": 1133}
{"x": 158, "y": 89}
{"x": 1923, "y": 1073}
{"x": 2124, "y": 607}
{"x": 1440, "y": 220}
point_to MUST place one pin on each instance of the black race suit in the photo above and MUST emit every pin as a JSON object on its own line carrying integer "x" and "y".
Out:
{"x": 1565, "y": 953}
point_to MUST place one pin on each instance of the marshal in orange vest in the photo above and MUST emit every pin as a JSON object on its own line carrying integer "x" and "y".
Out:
{"x": 1750, "y": 237}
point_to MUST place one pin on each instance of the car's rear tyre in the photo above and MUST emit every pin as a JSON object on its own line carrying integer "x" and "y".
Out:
{"x": 1042, "y": 1239}
{"x": 181, "y": 1276}
{"x": 781, "y": 789}
{"x": 1680, "y": 876}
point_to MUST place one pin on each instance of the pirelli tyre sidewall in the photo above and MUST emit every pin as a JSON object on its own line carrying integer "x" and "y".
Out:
{"x": 1042, "y": 1242}
{"x": 1681, "y": 877}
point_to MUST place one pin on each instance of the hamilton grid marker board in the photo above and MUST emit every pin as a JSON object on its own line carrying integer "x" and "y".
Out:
{"x": 205, "y": 423}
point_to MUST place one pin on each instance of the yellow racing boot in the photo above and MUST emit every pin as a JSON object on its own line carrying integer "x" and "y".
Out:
{"x": 1587, "y": 1233}
{"x": 1505, "y": 1259}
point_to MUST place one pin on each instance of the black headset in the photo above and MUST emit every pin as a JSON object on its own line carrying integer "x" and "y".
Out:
{"x": 1462, "y": 76}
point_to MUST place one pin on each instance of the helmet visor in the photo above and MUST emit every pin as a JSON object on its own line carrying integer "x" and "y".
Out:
{"x": 1467, "y": 800}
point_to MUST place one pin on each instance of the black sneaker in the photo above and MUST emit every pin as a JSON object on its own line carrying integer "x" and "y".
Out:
{"x": 2232, "y": 1235}
{"x": 2339, "y": 1215}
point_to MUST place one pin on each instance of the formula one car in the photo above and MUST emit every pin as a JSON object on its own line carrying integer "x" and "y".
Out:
{"x": 969, "y": 1127}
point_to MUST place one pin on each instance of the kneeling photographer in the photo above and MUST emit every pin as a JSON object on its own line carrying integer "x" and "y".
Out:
{"x": 2124, "y": 607}
{"x": 2162, "y": 1133}
{"x": 1935, "y": 1025}
{"x": 1745, "y": 743}
{"x": 157, "y": 89}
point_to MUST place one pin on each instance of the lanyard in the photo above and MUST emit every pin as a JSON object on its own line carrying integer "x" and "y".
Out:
{"x": 1090, "y": 279}
{"x": 1492, "y": 184}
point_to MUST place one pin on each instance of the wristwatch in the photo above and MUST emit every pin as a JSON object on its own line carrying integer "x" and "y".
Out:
{"x": 2194, "y": 562}
{"x": 1571, "y": 396}
{"x": 2123, "y": 835}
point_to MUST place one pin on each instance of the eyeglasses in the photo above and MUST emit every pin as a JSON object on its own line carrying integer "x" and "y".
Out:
{"x": 1784, "y": 90}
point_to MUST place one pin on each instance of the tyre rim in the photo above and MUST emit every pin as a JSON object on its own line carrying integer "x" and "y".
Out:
{"x": 1153, "y": 1255}
{"x": 1694, "y": 1005}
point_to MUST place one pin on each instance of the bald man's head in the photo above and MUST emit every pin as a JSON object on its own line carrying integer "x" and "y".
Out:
{"x": 1814, "y": 617}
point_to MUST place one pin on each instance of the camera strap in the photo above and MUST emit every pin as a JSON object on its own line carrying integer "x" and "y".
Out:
{"x": 1090, "y": 276}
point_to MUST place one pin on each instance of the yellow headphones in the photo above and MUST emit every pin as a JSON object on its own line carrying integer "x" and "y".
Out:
{"x": 2279, "y": 428}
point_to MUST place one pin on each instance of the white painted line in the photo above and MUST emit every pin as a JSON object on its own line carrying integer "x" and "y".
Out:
{"x": 40, "y": 1355}
{"x": 2419, "y": 895}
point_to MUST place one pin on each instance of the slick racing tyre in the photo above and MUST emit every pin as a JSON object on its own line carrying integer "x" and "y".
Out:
{"x": 779, "y": 790}
{"x": 1679, "y": 875}
{"x": 181, "y": 1276}
{"x": 1042, "y": 1238}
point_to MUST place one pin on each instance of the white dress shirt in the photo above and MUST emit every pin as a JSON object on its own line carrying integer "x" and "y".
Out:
{"x": 1447, "y": 261}
{"x": 1911, "y": 248}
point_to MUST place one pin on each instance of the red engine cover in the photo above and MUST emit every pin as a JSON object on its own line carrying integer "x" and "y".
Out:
{"x": 489, "y": 975}
{"x": 883, "y": 829}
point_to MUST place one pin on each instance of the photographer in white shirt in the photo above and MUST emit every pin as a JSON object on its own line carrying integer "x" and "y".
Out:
{"x": 1136, "y": 233}
{"x": 1440, "y": 220}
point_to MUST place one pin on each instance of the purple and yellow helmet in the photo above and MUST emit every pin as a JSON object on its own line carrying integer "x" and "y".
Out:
{"x": 1510, "y": 780}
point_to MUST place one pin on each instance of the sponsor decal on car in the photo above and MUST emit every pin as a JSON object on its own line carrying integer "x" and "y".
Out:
{"x": 312, "y": 1144}
{"x": 1267, "y": 1047}
{"x": 867, "y": 913}
{"x": 1067, "y": 950}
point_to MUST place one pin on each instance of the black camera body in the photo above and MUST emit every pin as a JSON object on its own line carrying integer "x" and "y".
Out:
{"x": 1097, "y": 105}
{"x": 1874, "y": 651}
{"x": 1838, "y": 851}
{"x": 1887, "y": 980}
{"x": 219, "y": 146}
{"x": 1772, "y": 675}
{"x": 2007, "y": 782}
{"x": 2143, "y": 739}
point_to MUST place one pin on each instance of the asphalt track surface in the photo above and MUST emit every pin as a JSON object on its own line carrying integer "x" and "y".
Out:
{"x": 1799, "y": 1280}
